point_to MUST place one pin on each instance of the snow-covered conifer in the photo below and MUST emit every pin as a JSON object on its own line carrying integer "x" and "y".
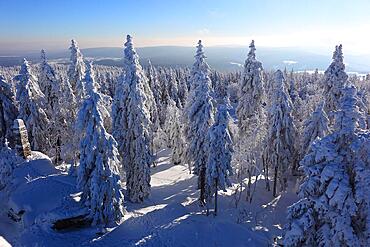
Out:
{"x": 174, "y": 133}
{"x": 251, "y": 116}
{"x": 31, "y": 104}
{"x": 132, "y": 126}
{"x": 98, "y": 172}
{"x": 251, "y": 91}
{"x": 199, "y": 117}
{"x": 76, "y": 72}
{"x": 279, "y": 153}
{"x": 173, "y": 87}
{"x": 50, "y": 86}
{"x": 47, "y": 80}
{"x": 8, "y": 109}
{"x": 335, "y": 78}
{"x": 334, "y": 205}
{"x": 314, "y": 127}
{"x": 182, "y": 87}
{"x": 250, "y": 110}
{"x": 9, "y": 159}
{"x": 218, "y": 168}
{"x": 67, "y": 119}
{"x": 154, "y": 85}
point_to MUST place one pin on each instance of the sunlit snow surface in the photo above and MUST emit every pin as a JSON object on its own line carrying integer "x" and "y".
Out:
{"x": 170, "y": 217}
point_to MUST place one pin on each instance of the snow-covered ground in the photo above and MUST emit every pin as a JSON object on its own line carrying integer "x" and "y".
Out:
{"x": 170, "y": 217}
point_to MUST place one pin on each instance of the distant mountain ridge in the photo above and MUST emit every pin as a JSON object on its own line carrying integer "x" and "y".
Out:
{"x": 219, "y": 58}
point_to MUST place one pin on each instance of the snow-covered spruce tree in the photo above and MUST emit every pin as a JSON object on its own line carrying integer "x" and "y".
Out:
{"x": 251, "y": 116}
{"x": 151, "y": 89}
{"x": 9, "y": 159}
{"x": 219, "y": 88}
{"x": 132, "y": 125}
{"x": 98, "y": 172}
{"x": 46, "y": 80}
{"x": 182, "y": 86}
{"x": 31, "y": 103}
{"x": 199, "y": 117}
{"x": 164, "y": 95}
{"x": 76, "y": 72}
{"x": 279, "y": 153}
{"x": 173, "y": 87}
{"x": 67, "y": 120}
{"x": 174, "y": 133}
{"x": 334, "y": 205}
{"x": 251, "y": 92}
{"x": 218, "y": 168}
{"x": 335, "y": 78}
{"x": 50, "y": 86}
{"x": 314, "y": 127}
{"x": 8, "y": 110}
{"x": 154, "y": 85}
{"x": 298, "y": 108}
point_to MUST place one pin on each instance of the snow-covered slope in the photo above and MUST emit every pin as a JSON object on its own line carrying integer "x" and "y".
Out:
{"x": 170, "y": 217}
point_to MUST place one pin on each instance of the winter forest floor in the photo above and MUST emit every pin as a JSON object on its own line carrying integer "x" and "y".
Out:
{"x": 170, "y": 217}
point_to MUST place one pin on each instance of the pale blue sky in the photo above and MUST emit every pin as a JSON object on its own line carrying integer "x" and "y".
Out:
{"x": 50, "y": 24}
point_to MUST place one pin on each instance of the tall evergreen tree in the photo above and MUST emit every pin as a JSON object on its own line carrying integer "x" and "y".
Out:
{"x": 199, "y": 118}
{"x": 334, "y": 205}
{"x": 251, "y": 92}
{"x": 8, "y": 110}
{"x": 98, "y": 172}
{"x": 251, "y": 116}
{"x": 314, "y": 127}
{"x": 76, "y": 72}
{"x": 279, "y": 153}
{"x": 50, "y": 86}
{"x": 132, "y": 125}
{"x": 182, "y": 87}
{"x": 218, "y": 167}
{"x": 335, "y": 78}
{"x": 174, "y": 133}
{"x": 154, "y": 85}
{"x": 66, "y": 117}
{"x": 31, "y": 104}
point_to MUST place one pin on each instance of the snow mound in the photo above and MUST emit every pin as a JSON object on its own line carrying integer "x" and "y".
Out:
{"x": 38, "y": 166}
{"x": 38, "y": 188}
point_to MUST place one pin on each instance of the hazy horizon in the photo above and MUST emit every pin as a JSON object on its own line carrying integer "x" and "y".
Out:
{"x": 35, "y": 25}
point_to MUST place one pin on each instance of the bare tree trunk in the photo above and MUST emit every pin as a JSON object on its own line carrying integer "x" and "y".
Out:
{"x": 215, "y": 213}
{"x": 275, "y": 181}
{"x": 57, "y": 152}
{"x": 249, "y": 183}
{"x": 152, "y": 148}
{"x": 202, "y": 185}
{"x": 266, "y": 168}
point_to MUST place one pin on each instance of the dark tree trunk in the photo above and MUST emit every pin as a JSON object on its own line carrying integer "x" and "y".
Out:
{"x": 215, "y": 213}
{"x": 275, "y": 181}
{"x": 57, "y": 152}
{"x": 202, "y": 185}
{"x": 249, "y": 184}
{"x": 266, "y": 168}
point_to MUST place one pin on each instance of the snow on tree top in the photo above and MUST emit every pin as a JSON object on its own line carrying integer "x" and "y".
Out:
{"x": 200, "y": 53}
{"x": 74, "y": 43}
{"x": 91, "y": 85}
{"x": 348, "y": 116}
{"x": 130, "y": 56}
{"x": 25, "y": 67}
{"x": 252, "y": 51}
{"x": 200, "y": 67}
{"x": 338, "y": 54}
{"x": 43, "y": 56}
{"x": 279, "y": 78}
